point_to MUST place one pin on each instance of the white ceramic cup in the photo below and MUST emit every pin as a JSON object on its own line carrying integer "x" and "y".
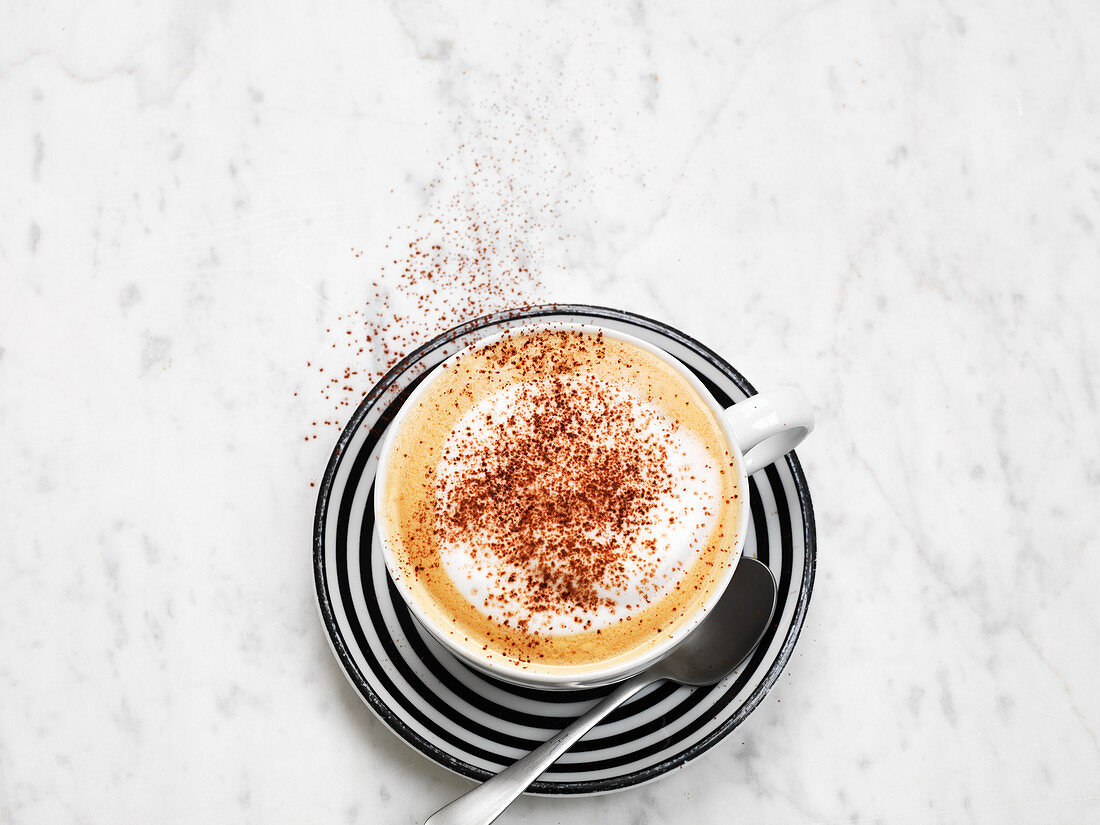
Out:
{"x": 759, "y": 430}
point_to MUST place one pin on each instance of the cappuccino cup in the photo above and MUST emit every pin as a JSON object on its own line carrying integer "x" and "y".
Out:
{"x": 560, "y": 504}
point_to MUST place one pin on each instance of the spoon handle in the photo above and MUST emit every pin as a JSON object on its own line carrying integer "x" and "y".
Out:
{"x": 487, "y": 801}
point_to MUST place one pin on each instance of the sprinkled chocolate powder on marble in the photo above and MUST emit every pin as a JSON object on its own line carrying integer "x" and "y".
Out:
{"x": 476, "y": 248}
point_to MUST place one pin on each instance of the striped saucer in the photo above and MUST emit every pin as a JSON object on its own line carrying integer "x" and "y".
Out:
{"x": 476, "y": 725}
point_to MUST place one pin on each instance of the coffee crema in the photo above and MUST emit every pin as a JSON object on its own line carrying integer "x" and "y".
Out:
{"x": 559, "y": 499}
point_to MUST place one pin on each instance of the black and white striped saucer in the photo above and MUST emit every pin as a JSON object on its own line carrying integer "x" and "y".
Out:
{"x": 476, "y": 725}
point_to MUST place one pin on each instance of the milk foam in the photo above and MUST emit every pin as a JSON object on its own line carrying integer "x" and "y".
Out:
{"x": 664, "y": 547}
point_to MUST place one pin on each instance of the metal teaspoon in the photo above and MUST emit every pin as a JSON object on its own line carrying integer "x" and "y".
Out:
{"x": 712, "y": 650}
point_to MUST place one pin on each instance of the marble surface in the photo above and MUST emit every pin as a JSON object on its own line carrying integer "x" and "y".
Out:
{"x": 893, "y": 206}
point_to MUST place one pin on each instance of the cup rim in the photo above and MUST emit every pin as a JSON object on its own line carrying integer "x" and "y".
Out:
{"x": 586, "y": 676}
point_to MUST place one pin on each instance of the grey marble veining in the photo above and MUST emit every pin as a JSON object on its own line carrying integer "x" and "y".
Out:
{"x": 894, "y": 207}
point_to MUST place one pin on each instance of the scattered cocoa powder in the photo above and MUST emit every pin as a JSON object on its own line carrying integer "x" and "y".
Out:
{"x": 476, "y": 249}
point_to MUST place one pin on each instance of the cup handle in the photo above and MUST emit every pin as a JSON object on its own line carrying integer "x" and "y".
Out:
{"x": 769, "y": 425}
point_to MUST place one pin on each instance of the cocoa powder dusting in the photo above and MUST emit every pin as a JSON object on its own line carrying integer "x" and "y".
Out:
{"x": 560, "y": 489}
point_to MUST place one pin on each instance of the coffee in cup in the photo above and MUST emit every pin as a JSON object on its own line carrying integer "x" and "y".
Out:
{"x": 559, "y": 499}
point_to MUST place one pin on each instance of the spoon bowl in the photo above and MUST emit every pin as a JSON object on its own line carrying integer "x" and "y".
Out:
{"x": 728, "y": 634}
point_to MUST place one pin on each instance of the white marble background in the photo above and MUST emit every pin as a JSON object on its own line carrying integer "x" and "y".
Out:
{"x": 894, "y": 206}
